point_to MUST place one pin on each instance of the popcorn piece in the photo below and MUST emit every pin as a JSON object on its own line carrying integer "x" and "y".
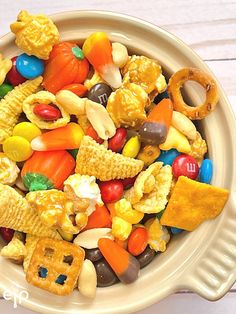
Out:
{"x": 156, "y": 201}
{"x": 193, "y": 202}
{"x": 35, "y": 34}
{"x": 8, "y": 170}
{"x": 198, "y": 148}
{"x": 184, "y": 125}
{"x": 142, "y": 184}
{"x": 158, "y": 235}
{"x": 121, "y": 228}
{"x": 15, "y": 250}
{"x": 95, "y": 160}
{"x": 30, "y": 245}
{"x": 176, "y": 140}
{"x": 16, "y": 214}
{"x": 46, "y": 98}
{"x": 71, "y": 103}
{"x": 144, "y": 72}
{"x": 54, "y": 209}
{"x": 11, "y": 106}
{"x": 5, "y": 67}
{"x": 161, "y": 84}
{"x": 100, "y": 119}
{"x": 95, "y": 79}
{"x": 126, "y": 105}
{"x": 119, "y": 54}
{"x": 84, "y": 192}
{"x": 53, "y": 255}
{"x": 124, "y": 210}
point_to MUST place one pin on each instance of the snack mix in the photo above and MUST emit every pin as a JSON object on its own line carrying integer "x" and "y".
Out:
{"x": 101, "y": 163}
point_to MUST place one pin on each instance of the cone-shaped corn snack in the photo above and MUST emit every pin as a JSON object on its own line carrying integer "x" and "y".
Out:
{"x": 98, "y": 50}
{"x": 95, "y": 160}
{"x": 11, "y": 106}
{"x": 30, "y": 244}
{"x": 15, "y": 213}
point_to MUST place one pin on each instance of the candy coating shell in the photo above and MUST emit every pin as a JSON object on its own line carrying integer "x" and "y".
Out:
{"x": 206, "y": 171}
{"x": 29, "y": 67}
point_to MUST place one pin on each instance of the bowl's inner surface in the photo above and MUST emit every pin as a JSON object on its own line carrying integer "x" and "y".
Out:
{"x": 162, "y": 276}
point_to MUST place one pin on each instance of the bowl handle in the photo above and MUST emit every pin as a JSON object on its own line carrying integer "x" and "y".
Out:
{"x": 214, "y": 273}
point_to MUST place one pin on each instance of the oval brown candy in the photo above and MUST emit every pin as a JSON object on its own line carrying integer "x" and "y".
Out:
{"x": 105, "y": 275}
{"x": 93, "y": 255}
{"x": 146, "y": 257}
{"x": 99, "y": 93}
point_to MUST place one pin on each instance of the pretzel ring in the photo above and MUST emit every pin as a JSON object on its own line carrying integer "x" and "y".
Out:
{"x": 176, "y": 82}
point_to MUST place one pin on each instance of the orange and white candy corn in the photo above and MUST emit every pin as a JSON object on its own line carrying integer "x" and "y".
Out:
{"x": 98, "y": 50}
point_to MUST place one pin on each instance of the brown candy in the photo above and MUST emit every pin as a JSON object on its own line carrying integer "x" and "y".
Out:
{"x": 153, "y": 133}
{"x": 105, "y": 275}
{"x": 146, "y": 257}
{"x": 93, "y": 255}
{"x": 99, "y": 93}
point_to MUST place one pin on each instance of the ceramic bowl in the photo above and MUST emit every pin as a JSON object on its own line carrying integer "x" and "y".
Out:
{"x": 203, "y": 261}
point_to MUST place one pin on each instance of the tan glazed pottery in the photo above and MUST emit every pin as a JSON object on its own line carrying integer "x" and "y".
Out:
{"x": 203, "y": 261}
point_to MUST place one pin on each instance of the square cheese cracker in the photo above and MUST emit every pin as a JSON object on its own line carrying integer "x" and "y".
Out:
{"x": 193, "y": 202}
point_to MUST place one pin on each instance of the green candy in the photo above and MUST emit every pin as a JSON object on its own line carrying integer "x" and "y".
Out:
{"x": 4, "y": 89}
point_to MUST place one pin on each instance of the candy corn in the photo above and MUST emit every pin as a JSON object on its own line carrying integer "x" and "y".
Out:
{"x": 67, "y": 137}
{"x": 98, "y": 50}
{"x": 123, "y": 264}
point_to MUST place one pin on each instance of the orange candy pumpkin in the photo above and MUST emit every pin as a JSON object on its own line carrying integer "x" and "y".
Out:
{"x": 66, "y": 65}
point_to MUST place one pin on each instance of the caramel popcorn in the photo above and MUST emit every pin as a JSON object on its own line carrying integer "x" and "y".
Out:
{"x": 35, "y": 34}
{"x": 126, "y": 105}
{"x": 145, "y": 72}
{"x": 56, "y": 210}
{"x": 84, "y": 192}
{"x": 198, "y": 148}
{"x": 158, "y": 235}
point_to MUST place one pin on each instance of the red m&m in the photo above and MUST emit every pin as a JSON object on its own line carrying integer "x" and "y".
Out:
{"x": 185, "y": 165}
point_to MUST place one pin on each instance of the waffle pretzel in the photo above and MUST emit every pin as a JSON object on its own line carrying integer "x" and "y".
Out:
{"x": 177, "y": 81}
{"x": 16, "y": 213}
{"x": 62, "y": 260}
{"x": 95, "y": 160}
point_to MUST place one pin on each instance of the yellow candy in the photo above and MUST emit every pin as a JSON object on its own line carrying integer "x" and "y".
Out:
{"x": 148, "y": 154}
{"x": 125, "y": 211}
{"x": 17, "y": 148}
{"x": 176, "y": 140}
{"x": 132, "y": 147}
{"x": 27, "y": 130}
{"x": 121, "y": 229}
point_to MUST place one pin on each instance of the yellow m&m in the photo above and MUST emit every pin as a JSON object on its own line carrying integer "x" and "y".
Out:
{"x": 27, "y": 130}
{"x": 17, "y": 148}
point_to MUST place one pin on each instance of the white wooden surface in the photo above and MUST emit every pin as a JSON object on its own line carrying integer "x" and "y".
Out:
{"x": 209, "y": 27}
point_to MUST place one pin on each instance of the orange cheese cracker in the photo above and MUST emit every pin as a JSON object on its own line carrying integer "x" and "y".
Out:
{"x": 193, "y": 202}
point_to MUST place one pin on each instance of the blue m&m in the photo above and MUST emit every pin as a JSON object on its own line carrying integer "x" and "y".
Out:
{"x": 206, "y": 171}
{"x": 168, "y": 156}
{"x": 29, "y": 67}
